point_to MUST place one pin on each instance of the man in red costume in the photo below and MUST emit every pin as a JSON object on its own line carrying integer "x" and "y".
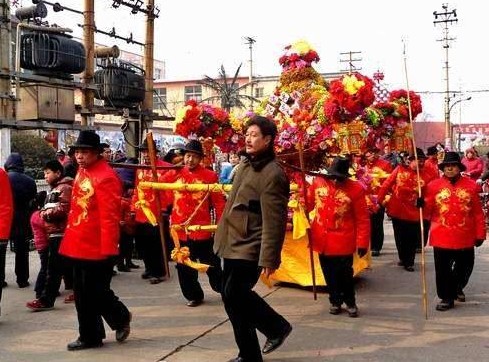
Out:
{"x": 144, "y": 206}
{"x": 431, "y": 162}
{"x": 91, "y": 241}
{"x": 377, "y": 170}
{"x": 6, "y": 216}
{"x": 340, "y": 227}
{"x": 194, "y": 208}
{"x": 457, "y": 225}
{"x": 402, "y": 185}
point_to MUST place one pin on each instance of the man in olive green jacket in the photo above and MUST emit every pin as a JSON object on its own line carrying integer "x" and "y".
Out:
{"x": 249, "y": 238}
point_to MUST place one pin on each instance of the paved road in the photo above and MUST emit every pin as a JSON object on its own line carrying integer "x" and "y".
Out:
{"x": 391, "y": 327}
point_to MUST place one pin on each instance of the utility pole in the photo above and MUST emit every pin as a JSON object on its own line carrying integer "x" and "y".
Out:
{"x": 250, "y": 42}
{"x": 148, "y": 57}
{"x": 88, "y": 94}
{"x": 6, "y": 98}
{"x": 350, "y": 59}
{"x": 445, "y": 18}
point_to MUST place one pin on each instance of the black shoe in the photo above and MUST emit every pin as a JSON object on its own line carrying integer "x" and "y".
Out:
{"x": 194, "y": 303}
{"x": 352, "y": 311}
{"x": 122, "y": 334}
{"x": 79, "y": 345}
{"x": 400, "y": 263}
{"x": 273, "y": 343}
{"x": 146, "y": 275}
{"x": 123, "y": 268}
{"x": 23, "y": 284}
{"x": 409, "y": 268}
{"x": 444, "y": 305}
{"x": 132, "y": 265}
{"x": 460, "y": 296}
{"x": 156, "y": 280}
{"x": 237, "y": 359}
{"x": 334, "y": 309}
{"x": 375, "y": 253}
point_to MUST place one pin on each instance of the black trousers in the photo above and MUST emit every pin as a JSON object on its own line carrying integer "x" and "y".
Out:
{"x": 56, "y": 267}
{"x": 3, "y": 253}
{"x": 148, "y": 245}
{"x": 95, "y": 300}
{"x": 126, "y": 247}
{"x": 338, "y": 273}
{"x": 453, "y": 268}
{"x": 247, "y": 311}
{"x": 43, "y": 272}
{"x": 21, "y": 248}
{"x": 377, "y": 230}
{"x": 407, "y": 235}
{"x": 200, "y": 250}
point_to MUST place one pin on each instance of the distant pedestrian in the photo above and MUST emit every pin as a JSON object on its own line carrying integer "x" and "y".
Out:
{"x": 390, "y": 156}
{"x": 91, "y": 242}
{"x": 473, "y": 164}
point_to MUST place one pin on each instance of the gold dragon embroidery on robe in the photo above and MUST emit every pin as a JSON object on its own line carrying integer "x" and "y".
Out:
{"x": 338, "y": 202}
{"x": 85, "y": 192}
{"x": 454, "y": 207}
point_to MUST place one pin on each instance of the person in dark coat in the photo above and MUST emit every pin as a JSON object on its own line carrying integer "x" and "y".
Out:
{"x": 24, "y": 191}
{"x": 260, "y": 195}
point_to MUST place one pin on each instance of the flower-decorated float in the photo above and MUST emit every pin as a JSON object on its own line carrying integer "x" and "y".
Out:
{"x": 315, "y": 119}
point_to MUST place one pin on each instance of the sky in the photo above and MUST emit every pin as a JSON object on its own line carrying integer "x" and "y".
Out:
{"x": 196, "y": 37}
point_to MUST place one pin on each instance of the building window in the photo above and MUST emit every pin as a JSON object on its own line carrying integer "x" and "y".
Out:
{"x": 158, "y": 73}
{"x": 259, "y": 92}
{"x": 193, "y": 92}
{"x": 159, "y": 98}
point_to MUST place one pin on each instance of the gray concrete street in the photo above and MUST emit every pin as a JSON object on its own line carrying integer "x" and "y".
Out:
{"x": 391, "y": 326}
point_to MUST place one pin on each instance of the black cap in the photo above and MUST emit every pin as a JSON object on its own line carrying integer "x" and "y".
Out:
{"x": 339, "y": 168}
{"x": 195, "y": 147}
{"x": 87, "y": 139}
{"x": 451, "y": 158}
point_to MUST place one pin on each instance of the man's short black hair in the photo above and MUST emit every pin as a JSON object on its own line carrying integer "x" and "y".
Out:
{"x": 54, "y": 165}
{"x": 266, "y": 125}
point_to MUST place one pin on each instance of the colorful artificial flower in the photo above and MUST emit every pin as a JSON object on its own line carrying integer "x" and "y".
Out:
{"x": 349, "y": 96}
{"x": 208, "y": 122}
{"x": 399, "y": 99}
{"x": 298, "y": 55}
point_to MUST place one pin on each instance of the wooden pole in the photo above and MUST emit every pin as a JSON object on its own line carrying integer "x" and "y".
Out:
{"x": 148, "y": 57}
{"x": 306, "y": 206}
{"x": 88, "y": 42}
{"x": 423, "y": 255}
{"x": 152, "y": 158}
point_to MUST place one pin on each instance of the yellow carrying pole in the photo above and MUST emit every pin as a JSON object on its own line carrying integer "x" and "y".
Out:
{"x": 193, "y": 187}
{"x": 152, "y": 158}
{"x": 306, "y": 206}
{"x": 423, "y": 254}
